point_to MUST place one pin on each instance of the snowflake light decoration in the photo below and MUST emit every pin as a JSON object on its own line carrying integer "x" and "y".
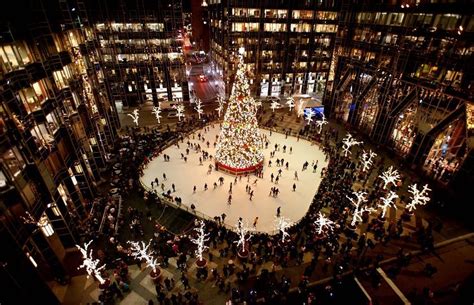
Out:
{"x": 358, "y": 204}
{"x": 274, "y": 105}
{"x": 282, "y": 224}
{"x": 367, "y": 159}
{"x": 244, "y": 234}
{"x": 179, "y": 111}
{"x": 418, "y": 197}
{"x": 347, "y": 143}
{"x": 221, "y": 102}
{"x": 91, "y": 265}
{"x": 198, "y": 107}
{"x": 156, "y": 111}
{"x": 134, "y": 115}
{"x": 291, "y": 103}
{"x": 321, "y": 123}
{"x": 139, "y": 250}
{"x": 309, "y": 116}
{"x": 390, "y": 176}
{"x": 388, "y": 202}
{"x": 199, "y": 241}
{"x": 323, "y": 224}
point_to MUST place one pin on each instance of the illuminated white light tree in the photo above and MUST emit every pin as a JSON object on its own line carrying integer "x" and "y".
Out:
{"x": 323, "y": 224}
{"x": 367, "y": 159}
{"x": 139, "y": 250}
{"x": 390, "y": 176}
{"x": 388, "y": 202}
{"x": 221, "y": 102}
{"x": 91, "y": 265}
{"x": 309, "y": 116}
{"x": 198, "y": 107}
{"x": 282, "y": 224}
{"x": 199, "y": 241}
{"x": 358, "y": 203}
{"x": 291, "y": 103}
{"x": 321, "y": 123}
{"x": 274, "y": 105}
{"x": 240, "y": 142}
{"x": 300, "y": 108}
{"x": 134, "y": 115}
{"x": 418, "y": 197}
{"x": 244, "y": 235}
{"x": 347, "y": 143}
{"x": 179, "y": 111}
{"x": 157, "y": 111}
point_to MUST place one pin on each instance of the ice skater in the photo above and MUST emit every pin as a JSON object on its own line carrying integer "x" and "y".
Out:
{"x": 294, "y": 187}
{"x": 296, "y": 175}
{"x": 229, "y": 200}
{"x": 194, "y": 189}
{"x": 278, "y": 211}
{"x": 251, "y": 195}
{"x": 271, "y": 178}
{"x": 255, "y": 221}
{"x": 164, "y": 176}
{"x": 205, "y": 186}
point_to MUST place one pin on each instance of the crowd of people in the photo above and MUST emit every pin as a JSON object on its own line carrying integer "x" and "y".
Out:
{"x": 257, "y": 277}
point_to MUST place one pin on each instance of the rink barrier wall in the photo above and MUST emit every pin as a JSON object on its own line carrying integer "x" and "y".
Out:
{"x": 172, "y": 203}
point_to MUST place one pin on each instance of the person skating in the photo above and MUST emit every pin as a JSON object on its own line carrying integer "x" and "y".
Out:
{"x": 278, "y": 211}
{"x": 294, "y": 187}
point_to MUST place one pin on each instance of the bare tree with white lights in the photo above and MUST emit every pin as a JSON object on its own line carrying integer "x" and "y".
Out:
{"x": 90, "y": 264}
{"x": 347, "y": 143}
{"x": 419, "y": 197}
{"x": 390, "y": 176}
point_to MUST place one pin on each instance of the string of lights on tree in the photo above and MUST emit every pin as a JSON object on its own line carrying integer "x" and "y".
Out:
{"x": 200, "y": 240}
{"x": 90, "y": 264}
{"x": 135, "y": 116}
{"x": 347, "y": 143}
{"x": 140, "y": 251}
{"x": 282, "y": 224}
{"x": 240, "y": 142}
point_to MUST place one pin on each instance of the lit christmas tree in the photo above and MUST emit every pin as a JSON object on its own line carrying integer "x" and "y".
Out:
{"x": 240, "y": 144}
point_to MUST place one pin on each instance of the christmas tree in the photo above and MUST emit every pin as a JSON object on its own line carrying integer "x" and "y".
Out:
{"x": 239, "y": 149}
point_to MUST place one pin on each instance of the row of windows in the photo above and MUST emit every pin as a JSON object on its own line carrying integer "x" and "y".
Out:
{"x": 283, "y": 14}
{"x": 130, "y": 27}
{"x": 281, "y": 27}
{"x": 444, "y": 22}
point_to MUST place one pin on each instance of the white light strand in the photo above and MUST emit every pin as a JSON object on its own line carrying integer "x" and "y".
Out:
{"x": 157, "y": 111}
{"x": 198, "y": 107}
{"x": 418, "y": 197}
{"x": 244, "y": 234}
{"x": 358, "y": 204}
{"x": 309, "y": 116}
{"x": 139, "y": 250}
{"x": 240, "y": 142}
{"x": 323, "y": 224}
{"x": 390, "y": 176}
{"x": 367, "y": 159}
{"x": 221, "y": 102}
{"x": 291, "y": 103}
{"x": 179, "y": 111}
{"x": 91, "y": 265}
{"x": 274, "y": 105}
{"x": 388, "y": 202}
{"x": 300, "y": 108}
{"x": 282, "y": 224}
{"x": 135, "y": 116}
{"x": 347, "y": 143}
{"x": 199, "y": 241}
{"x": 321, "y": 123}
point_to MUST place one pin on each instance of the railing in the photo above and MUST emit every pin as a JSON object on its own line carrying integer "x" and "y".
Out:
{"x": 174, "y": 204}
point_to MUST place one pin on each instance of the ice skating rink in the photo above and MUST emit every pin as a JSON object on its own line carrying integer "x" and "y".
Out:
{"x": 213, "y": 202}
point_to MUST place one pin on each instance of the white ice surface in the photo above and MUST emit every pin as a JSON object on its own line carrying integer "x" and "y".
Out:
{"x": 186, "y": 175}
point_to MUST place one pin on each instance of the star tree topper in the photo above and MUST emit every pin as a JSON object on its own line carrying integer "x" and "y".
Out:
{"x": 418, "y": 197}
{"x": 90, "y": 264}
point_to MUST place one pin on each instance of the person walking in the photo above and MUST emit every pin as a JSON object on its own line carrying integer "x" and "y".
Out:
{"x": 255, "y": 221}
